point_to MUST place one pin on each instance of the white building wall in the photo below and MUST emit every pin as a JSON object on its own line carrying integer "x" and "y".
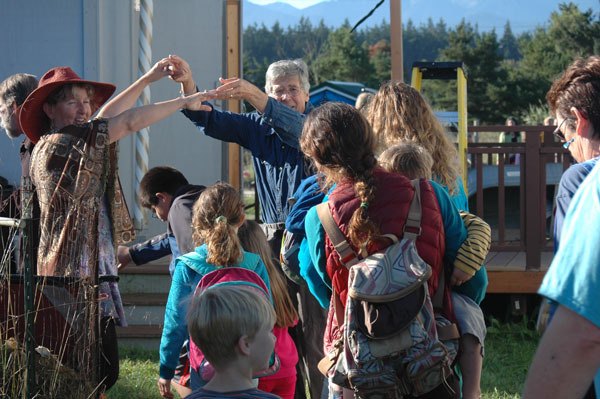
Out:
{"x": 99, "y": 40}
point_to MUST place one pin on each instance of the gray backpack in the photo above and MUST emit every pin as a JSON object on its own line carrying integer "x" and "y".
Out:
{"x": 390, "y": 346}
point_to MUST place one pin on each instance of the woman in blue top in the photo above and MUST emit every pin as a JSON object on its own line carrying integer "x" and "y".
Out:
{"x": 217, "y": 215}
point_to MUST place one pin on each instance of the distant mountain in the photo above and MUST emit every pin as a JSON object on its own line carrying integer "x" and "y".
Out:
{"x": 524, "y": 15}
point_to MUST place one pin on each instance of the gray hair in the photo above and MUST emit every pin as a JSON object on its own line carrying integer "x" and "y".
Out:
{"x": 287, "y": 68}
{"x": 16, "y": 88}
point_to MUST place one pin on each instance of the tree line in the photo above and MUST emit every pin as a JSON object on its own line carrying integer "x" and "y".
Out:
{"x": 507, "y": 75}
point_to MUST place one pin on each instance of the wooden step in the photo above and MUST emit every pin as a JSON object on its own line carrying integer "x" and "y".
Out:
{"x": 514, "y": 282}
{"x": 144, "y": 299}
{"x": 158, "y": 267}
{"x": 140, "y": 331}
{"x": 146, "y": 283}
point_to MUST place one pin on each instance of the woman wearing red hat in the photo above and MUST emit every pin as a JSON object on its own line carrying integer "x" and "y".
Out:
{"x": 73, "y": 168}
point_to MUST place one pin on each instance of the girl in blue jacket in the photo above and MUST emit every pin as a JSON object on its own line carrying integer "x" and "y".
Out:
{"x": 217, "y": 215}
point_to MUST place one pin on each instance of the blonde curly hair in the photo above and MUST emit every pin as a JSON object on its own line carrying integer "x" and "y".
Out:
{"x": 398, "y": 113}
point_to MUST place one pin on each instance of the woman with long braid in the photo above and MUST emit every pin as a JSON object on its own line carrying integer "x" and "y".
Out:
{"x": 366, "y": 203}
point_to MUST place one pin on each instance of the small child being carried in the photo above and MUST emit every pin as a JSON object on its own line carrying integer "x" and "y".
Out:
{"x": 413, "y": 161}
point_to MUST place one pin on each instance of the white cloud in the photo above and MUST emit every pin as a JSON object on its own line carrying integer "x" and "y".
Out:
{"x": 296, "y": 3}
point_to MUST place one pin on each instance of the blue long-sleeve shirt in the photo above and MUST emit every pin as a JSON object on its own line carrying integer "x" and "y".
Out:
{"x": 273, "y": 138}
{"x": 569, "y": 183}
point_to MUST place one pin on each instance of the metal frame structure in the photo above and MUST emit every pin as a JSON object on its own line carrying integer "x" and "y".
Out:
{"x": 448, "y": 71}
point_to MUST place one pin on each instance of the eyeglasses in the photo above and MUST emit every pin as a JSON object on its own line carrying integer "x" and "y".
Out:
{"x": 558, "y": 131}
{"x": 292, "y": 92}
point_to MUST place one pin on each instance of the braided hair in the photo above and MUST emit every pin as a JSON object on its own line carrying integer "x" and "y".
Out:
{"x": 340, "y": 142}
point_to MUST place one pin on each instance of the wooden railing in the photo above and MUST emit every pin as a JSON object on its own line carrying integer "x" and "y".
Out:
{"x": 529, "y": 184}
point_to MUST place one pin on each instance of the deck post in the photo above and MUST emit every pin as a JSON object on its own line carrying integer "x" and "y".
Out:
{"x": 533, "y": 201}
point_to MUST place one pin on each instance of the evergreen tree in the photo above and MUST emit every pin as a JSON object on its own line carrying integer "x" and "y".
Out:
{"x": 573, "y": 32}
{"x": 509, "y": 48}
{"x": 343, "y": 58}
{"x": 488, "y": 98}
{"x": 380, "y": 55}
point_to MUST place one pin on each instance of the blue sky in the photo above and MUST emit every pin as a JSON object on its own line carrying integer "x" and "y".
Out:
{"x": 524, "y": 15}
{"x": 465, "y": 3}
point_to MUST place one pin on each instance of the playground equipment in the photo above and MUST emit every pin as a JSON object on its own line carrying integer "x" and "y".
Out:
{"x": 449, "y": 71}
{"x": 515, "y": 199}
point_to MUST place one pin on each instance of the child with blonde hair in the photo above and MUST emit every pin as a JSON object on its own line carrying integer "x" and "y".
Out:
{"x": 283, "y": 382}
{"x": 414, "y": 162}
{"x": 233, "y": 328}
{"x": 217, "y": 215}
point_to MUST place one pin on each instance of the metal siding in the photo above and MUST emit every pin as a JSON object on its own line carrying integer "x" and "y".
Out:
{"x": 37, "y": 35}
{"x": 192, "y": 30}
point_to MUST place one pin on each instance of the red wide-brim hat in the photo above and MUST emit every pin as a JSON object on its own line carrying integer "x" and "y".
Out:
{"x": 33, "y": 119}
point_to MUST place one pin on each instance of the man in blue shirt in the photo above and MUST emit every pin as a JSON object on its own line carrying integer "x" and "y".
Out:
{"x": 568, "y": 355}
{"x": 272, "y": 135}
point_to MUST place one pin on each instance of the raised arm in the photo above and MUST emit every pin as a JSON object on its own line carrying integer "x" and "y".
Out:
{"x": 230, "y": 89}
{"x": 473, "y": 250}
{"x": 138, "y": 118}
{"x": 240, "y": 89}
{"x": 182, "y": 73}
{"x": 127, "y": 98}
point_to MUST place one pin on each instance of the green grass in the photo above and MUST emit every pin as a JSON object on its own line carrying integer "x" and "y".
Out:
{"x": 509, "y": 349}
{"x": 508, "y": 353}
{"x": 137, "y": 376}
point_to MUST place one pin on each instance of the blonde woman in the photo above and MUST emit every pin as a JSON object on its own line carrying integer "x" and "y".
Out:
{"x": 399, "y": 113}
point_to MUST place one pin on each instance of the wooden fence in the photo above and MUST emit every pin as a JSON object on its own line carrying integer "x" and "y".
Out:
{"x": 512, "y": 186}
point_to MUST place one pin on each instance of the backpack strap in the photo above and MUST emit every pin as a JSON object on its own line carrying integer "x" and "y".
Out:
{"x": 412, "y": 227}
{"x": 438, "y": 298}
{"x": 449, "y": 331}
{"x": 347, "y": 255}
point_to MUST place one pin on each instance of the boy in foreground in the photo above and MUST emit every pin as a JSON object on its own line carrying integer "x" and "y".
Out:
{"x": 233, "y": 328}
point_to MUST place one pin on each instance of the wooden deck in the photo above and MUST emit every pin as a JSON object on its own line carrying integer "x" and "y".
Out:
{"x": 508, "y": 272}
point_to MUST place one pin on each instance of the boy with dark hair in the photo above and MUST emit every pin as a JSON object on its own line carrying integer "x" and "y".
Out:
{"x": 166, "y": 192}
